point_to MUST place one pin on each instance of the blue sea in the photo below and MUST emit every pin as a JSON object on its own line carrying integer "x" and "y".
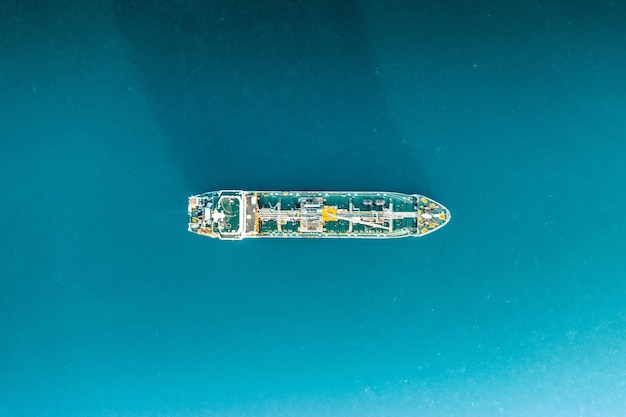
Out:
{"x": 511, "y": 113}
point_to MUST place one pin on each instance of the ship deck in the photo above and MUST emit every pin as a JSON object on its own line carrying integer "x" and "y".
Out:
{"x": 241, "y": 214}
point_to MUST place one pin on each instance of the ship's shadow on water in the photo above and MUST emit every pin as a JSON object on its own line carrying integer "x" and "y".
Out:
{"x": 268, "y": 96}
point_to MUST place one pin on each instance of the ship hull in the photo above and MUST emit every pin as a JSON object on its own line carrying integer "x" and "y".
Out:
{"x": 237, "y": 214}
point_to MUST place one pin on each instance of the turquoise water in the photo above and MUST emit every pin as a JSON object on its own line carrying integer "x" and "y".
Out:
{"x": 511, "y": 114}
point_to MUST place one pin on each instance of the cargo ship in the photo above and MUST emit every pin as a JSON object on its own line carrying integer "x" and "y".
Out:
{"x": 237, "y": 214}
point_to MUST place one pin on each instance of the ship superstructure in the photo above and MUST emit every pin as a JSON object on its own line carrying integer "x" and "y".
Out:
{"x": 236, "y": 214}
